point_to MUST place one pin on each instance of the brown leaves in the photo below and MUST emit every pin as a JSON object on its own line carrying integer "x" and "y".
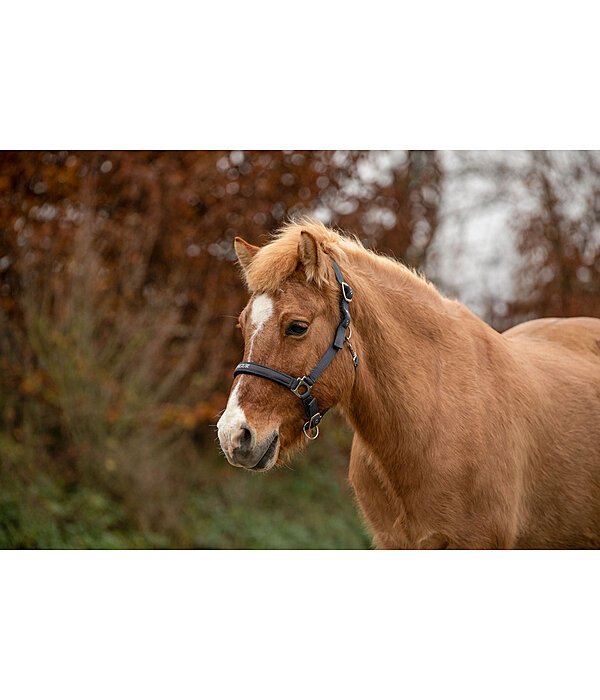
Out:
{"x": 558, "y": 239}
{"x": 135, "y": 233}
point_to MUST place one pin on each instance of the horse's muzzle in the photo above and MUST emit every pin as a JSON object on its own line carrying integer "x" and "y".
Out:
{"x": 250, "y": 454}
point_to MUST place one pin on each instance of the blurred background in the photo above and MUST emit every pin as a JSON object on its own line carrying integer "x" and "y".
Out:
{"x": 118, "y": 303}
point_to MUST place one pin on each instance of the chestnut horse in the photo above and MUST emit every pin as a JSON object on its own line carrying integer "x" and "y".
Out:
{"x": 464, "y": 437}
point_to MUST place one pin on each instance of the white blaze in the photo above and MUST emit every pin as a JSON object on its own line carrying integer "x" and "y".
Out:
{"x": 229, "y": 423}
{"x": 260, "y": 313}
{"x": 234, "y": 417}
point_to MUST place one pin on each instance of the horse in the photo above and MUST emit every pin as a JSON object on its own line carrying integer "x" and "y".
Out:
{"x": 464, "y": 437}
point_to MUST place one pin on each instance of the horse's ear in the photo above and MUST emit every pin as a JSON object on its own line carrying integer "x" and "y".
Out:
{"x": 244, "y": 251}
{"x": 311, "y": 256}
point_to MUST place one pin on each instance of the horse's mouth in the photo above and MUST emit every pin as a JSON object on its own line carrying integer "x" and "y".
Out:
{"x": 263, "y": 463}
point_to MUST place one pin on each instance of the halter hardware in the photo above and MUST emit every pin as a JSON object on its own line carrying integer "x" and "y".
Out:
{"x": 352, "y": 351}
{"x": 305, "y": 384}
{"x": 305, "y": 429}
{"x": 311, "y": 427}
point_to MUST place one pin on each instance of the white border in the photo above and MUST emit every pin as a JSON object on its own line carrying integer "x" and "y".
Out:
{"x": 298, "y": 624}
{"x": 304, "y": 75}
{"x": 333, "y": 74}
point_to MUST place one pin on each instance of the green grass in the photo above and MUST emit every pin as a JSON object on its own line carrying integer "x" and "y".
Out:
{"x": 307, "y": 506}
{"x": 87, "y": 459}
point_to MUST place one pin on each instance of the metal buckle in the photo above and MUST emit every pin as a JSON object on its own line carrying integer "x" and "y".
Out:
{"x": 306, "y": 427}
{"x": 352, "y": 351}
{"x": 302, "y": 382}
{"x": 347, "y": 292}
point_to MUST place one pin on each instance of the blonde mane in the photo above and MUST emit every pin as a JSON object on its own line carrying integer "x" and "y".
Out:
{"x": 278, "y": 260}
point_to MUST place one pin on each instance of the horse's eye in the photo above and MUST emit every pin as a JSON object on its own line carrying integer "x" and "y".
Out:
{"x": 296, "y": 328}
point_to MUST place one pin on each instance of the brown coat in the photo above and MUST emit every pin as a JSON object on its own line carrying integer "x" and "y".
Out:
{"x": 463, "y": 437}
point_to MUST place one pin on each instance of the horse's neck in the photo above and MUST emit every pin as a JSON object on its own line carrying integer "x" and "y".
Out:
{"x": 404, "y": 337}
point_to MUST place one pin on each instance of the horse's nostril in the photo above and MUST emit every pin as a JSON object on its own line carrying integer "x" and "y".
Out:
{"x": 243, "y": 443}
{"x": 246, "y": 438}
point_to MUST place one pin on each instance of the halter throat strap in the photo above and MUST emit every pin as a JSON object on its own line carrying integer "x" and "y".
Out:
{"x": 301, "y": 386}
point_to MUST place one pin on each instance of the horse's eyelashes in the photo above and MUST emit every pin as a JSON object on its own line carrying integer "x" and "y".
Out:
{"x": 296, "y": 328}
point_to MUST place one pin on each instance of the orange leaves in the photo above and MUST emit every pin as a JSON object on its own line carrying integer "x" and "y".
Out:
{"x": 112, "y": 415}
{"x": 191, "y": 417}
{"x": 119, "y": 295}
{"x": 36, "y": 383}
{"x": 30, "y": 385}
{"x": 7, "y": 304}
{"x": 110, "y": 240}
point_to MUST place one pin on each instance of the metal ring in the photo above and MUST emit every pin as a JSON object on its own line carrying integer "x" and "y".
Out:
{"x": 349, "y": 335}
{"x": 305, "y": 431}
{"x": 304, "y": 383}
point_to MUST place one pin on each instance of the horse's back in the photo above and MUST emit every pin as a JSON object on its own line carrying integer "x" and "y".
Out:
{"x": 560, "y": 361}
{"x": 580, "y": 334}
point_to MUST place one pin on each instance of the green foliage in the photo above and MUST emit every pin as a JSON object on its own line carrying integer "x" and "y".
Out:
{"x": 89, "y": 461}
{"x": 48, "y": 514}
{"x": 309, "y": 505}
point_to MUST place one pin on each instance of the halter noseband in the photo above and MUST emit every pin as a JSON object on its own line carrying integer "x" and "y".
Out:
{"x": 301, "y": 386}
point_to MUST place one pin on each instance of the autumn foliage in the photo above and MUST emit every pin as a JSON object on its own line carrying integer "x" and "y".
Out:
{"x": 558, "y": 237}
{"x": 119, "y": 294}
{"x": 118, "y": 299}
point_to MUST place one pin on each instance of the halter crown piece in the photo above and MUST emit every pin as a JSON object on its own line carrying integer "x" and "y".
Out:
{"x": 301, "y": 386}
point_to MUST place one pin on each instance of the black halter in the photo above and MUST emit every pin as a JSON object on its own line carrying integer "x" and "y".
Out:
{"x": 302, "y": 386}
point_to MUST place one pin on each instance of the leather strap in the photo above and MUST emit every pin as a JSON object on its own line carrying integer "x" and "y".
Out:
{"x": 274, "y": 375}
{"x": 302, "y": 386}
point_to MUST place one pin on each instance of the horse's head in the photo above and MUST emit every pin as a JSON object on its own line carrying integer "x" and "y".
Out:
{"x": 288, "y": 324}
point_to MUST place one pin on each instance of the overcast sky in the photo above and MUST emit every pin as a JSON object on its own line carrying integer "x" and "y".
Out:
{"x": 473, "y": 256}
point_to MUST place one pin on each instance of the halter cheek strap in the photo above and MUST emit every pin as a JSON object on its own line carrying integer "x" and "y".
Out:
{"x": 301, "y": 386}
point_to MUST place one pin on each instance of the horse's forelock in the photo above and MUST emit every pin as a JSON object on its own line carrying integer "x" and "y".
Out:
{"x": 278, "y": 260}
